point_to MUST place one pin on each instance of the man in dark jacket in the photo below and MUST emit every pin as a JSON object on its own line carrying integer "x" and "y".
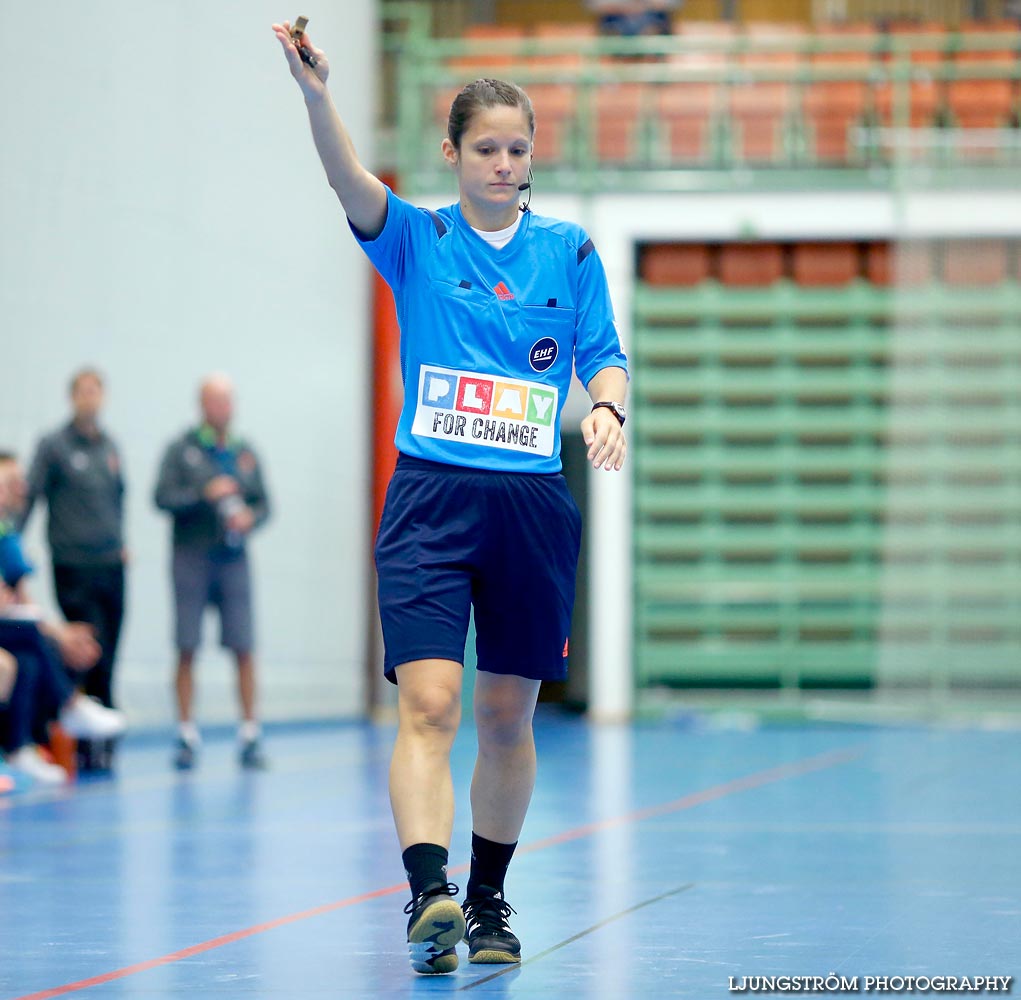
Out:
{"x": 77, "y": 471}
{"x": 212, "y": 485}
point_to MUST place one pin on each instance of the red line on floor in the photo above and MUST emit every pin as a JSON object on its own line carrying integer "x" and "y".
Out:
{"x": 744, "y": 784}
{"x": 198, "y": 949}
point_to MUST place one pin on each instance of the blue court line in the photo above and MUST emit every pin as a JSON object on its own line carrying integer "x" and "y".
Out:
{"x": 751, "y": 781}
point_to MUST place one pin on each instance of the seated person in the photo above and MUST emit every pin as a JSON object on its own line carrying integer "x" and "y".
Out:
{"x": 633, "y": 17}
{"x": 8, "y": 673}
{"x": 40, "y": 694}
{"x": 41, "y": 691}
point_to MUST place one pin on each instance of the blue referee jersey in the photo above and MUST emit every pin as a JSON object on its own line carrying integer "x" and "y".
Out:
{"x": 489, "y": 337}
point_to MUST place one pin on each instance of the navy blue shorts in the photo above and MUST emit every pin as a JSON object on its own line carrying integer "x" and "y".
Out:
{"x": 452, "y": 538}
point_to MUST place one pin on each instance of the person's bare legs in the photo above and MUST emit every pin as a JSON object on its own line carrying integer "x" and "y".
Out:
{"x": 188, "y": 734}
{"x": 184, "y": 685}
{"x": 422, "y": 799}
{"x": 505, "y": 768}
{"x": 501, "y": 791}
{"x": 251, "y": 756}
{"x": 421, "y": 787}
{"x": 246, "y": 685}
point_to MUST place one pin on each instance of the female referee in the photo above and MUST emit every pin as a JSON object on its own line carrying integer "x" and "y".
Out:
{"x": 496, "y": 306}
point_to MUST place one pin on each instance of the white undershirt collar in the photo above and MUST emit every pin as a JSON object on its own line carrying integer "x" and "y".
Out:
{"x": 499, "y": 239}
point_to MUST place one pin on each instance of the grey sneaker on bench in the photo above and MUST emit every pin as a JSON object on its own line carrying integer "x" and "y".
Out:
{"x": 490, "y": 939}
{"x": 435, "y": 925}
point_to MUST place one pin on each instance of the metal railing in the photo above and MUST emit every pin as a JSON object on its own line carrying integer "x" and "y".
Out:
{"x": 883, "y": 132}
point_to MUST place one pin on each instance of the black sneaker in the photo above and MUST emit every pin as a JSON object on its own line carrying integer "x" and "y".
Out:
{"x": 435, "y": 926}
{"x": 251, "y": 757}
{"x": 96, "y": 756}
{"x": 109, "y": 754}
{"x": 184, "y": 755}
{"x": 86, "y": 755}
{"x": 490, "y": 939}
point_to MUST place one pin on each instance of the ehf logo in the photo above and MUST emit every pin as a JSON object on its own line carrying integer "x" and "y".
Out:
{"x": 543, "y": 354}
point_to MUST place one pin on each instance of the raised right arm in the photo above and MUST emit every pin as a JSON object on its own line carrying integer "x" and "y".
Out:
{"x": 361, "y": 193}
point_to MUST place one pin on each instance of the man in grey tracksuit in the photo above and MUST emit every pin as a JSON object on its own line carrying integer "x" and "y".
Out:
{"x": 77, "y": 470}
{"x": 212, "y": 485}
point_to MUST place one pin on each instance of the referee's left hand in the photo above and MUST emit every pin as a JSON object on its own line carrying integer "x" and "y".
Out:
{"x": 605, "y": 439}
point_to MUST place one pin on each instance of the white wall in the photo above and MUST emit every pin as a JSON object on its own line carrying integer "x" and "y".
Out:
{"x": 162, "y": 215}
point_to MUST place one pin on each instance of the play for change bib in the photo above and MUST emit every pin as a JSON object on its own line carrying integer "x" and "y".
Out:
{"x": 490, "y": 411}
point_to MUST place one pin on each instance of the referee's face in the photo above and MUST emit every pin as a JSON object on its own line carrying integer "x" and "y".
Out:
{"x": 495, "y": 153}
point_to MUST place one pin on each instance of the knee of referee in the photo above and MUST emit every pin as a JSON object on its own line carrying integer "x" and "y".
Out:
{"x": 429, "y": 707}
{"x": 503, "y": 714}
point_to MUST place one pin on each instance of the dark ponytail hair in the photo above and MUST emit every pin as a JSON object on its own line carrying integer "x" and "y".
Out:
{"x": 481, "y": 94}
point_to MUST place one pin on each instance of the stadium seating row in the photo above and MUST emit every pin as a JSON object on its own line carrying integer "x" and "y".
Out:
{"x": 827, "y": 478}
{"x": 762, "y": 94}
{"x": 958, "y": 263}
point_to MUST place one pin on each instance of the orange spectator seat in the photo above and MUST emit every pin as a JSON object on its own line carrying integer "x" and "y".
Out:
{"x": 929, "y": 48}
{"x": 555, "y": 107}
{"x": 484, "y": 62}
{"x": 685, "y": 112}
{"x": 744, "y": 265}
{"x": 618, "y": 113}
{"x": 824, "y": 264}
{"x": 879, "y": 263}
{"x": 977, "y": 101}
{"x": 442, "y": 99}
{"x": 905, "y": 264}
{"x": 562, "y": 29}
{"x": 705, "y": 29}
{"x": 1010, "y": 31}
{"x": 975, "y": 263}
{"x": 565, "y": 58}
{"x": 923, "y": 102}
{"x": 929, "y": 45}
{"x": 677, "y": 264}
{"x": 833, "y": 107}
{"x": 686, "y": 109}
{"x": 761, "y": 108}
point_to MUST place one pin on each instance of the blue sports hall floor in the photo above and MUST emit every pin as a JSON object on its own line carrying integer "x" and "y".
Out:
{"x": 673, "y": 858}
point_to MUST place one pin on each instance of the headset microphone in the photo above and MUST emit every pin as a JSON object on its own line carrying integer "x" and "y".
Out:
{"x": 527, "y": 186}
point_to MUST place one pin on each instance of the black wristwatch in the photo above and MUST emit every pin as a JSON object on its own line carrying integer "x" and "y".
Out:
{"x": 618, "y": 411}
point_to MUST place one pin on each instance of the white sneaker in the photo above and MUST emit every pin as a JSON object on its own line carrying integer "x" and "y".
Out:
{"x": 29, "y": 761}
{"x": 86, "y": 718}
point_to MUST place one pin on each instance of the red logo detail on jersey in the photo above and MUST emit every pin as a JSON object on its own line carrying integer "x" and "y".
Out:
{"x": 503, "y": 292}
{"x": 474, "y": 395}
{"x": 566, "y": 644}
